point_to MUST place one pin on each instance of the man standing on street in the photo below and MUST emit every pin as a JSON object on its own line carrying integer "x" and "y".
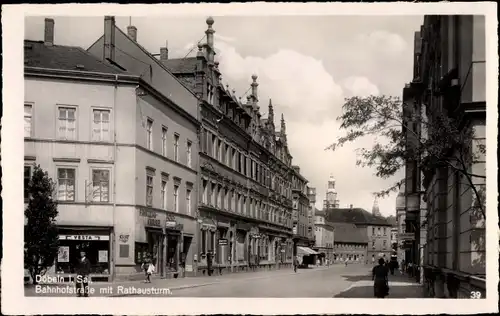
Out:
{"x": 82, "y": 275}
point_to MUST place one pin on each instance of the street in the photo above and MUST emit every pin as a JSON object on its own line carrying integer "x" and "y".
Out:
{"x": 317, "y": 282}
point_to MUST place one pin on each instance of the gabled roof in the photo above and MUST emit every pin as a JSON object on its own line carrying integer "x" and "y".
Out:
{"x": 357, "y": 216}
{"x": 37, "y": 54}
{"x": 181, "y": 66}
{"x": 349, "y": 233}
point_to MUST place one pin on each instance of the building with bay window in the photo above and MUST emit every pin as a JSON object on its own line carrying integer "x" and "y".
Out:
{"x": 245, "y": 209}
{"x": 120, "y": 151}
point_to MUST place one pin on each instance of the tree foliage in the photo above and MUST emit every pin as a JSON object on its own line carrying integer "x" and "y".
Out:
{"x": 403, "y": 134}
{"x": 41, "y": 240}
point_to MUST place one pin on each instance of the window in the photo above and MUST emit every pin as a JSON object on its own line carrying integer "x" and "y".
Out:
{"x": 67, "y": 123}
{"x": 373, "y": 244}
{"x": 149, "y": 134}
{"x": 149, "y": 190}
{"x": 28, "y": 117}
{"x": 100, "y": 125}
{"x": 164, "y": 194}
{"x": 205, "y": 192}
{"x": 213, "y": 196}
{"x": 164, "y": 141}
{"x": 176, "y": 147}
{"x": 228, "y": 155}
{"x": 385, "y": 244}
{"x": 66, "y": 184}
{"x": 214, "y": 146}
{"x": 385, "y": 231}
{"x": 176, "y": 198}
{"x": 379, "y": 233}
{"x": 373, "y": 231}
{"x": 219, "y": 150}
{"x": 188, "y": 201}
{"x": 100, "y": 185}
{"x": 27, "y": 178}
{"x": 189, "y": 158}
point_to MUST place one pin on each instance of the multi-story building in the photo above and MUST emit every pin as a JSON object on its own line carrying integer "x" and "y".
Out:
{"x": 377, "y": 229}
{"x": 449, "y": 80}
{"x": 301, "y": 206}
{"x": 311, "y": 195}
{"x": 350, "y": 243}
{"x": 245, "y": 211}
{"x": 401, "y": 226}
{"x": 122, "y": 153}
{"x": 324, "y": 237}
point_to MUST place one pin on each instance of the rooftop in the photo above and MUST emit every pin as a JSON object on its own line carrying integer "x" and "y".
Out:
{"x": 357, "y": 216}
{"x": 37, "y": 54}
{"x": 181, "y": 66}
{"x": 349, "y": 233}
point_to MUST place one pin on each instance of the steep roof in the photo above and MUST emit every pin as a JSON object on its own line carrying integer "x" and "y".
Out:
{"x": 181, "y": 66}
{"x": 349, "y": 233}
{"x": 357, "y": 216}
{"x": 37, "y": 54}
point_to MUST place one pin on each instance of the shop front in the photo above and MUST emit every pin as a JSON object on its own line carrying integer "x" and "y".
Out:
{"x": 94, "y": 242}
{"x": 166, "y": 240}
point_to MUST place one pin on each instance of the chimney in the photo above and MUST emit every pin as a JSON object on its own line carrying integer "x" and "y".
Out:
{"x": 132, "y": 32}
{"x": 49, "y": 32}
{"x": 109, "y": 38}
{"x": 210, "y": 40}
{"x": 164, "y": 52}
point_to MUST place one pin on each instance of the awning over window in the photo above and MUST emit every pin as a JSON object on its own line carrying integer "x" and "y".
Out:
{"x": 306, "y": 251}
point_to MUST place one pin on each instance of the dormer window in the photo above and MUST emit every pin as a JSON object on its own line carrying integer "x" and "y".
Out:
{"x": 210, "y": 94}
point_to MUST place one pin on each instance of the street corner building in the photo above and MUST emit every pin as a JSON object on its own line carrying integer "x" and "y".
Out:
{"x": 123, "y": 154}
{"x": 155, "y": 159}
{"x": 447, "y": 231}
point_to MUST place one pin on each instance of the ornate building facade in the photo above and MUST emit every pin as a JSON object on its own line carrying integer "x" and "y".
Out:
{"x": 245, "y": 179}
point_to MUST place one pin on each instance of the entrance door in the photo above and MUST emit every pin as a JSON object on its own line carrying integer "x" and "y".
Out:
{"x": 172, "y": 258}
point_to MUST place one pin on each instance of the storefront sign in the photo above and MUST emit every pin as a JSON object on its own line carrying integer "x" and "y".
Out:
{"x": 153, "y": 222}
{"x": 170, "y": 224}
{"x": 407, "y": 236}
{"x": 189, "y": 268}
{"x": 84, "y": 237}
{"x": 63, "y": 254}
{"x": 147, "y": 213}
{"x": 103, "y": 256}
{"x": 223, "y": 242}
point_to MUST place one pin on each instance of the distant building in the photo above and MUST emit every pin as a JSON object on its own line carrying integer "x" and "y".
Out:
{"x": 300, "y": 202}
{"x": 350, "y": 243}
{"x": 324, "y": 236}
{"x": 311, "y": 194}
{"x": 377, "y": 229}
{"x": 375, "y": 208}
{"x": 331, "y": 194}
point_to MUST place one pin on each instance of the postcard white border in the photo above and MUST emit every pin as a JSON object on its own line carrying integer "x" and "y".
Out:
{"x": 13, "y": 300}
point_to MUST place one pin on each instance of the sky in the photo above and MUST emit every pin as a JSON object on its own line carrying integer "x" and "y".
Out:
{"x": 307, "y": 65}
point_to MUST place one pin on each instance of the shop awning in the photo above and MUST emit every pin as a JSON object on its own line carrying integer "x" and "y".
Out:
{"x": 306, "y": 251}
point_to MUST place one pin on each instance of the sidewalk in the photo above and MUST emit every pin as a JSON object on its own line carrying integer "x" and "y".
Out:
{"x": 400, "y": 286}
{"x": 116, "y": 289}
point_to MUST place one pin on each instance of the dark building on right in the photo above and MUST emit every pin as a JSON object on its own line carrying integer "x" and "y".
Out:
{"x": 447, "y": 231}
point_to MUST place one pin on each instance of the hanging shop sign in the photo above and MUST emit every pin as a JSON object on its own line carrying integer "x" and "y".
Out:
{"x": 63, "y": 254}
{"x": 170, "y": 221}
{"x": 84, "y": 237}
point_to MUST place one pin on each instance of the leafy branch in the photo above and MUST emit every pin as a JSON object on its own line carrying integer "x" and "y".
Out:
{"x": 407, "y": 136}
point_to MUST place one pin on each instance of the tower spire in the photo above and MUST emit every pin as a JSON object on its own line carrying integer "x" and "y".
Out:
{"x": 283, "y": 127}
{"x": 375, "y": 208}
{"x": 271, "y": 112}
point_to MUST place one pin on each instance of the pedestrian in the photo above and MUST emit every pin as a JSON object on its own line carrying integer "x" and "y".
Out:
{"x": 145, "y": 268}
{"x": 381, "y": 280}
{"x": 82, "y": 275}
{"x": 150, "y": 271}
{"x": 295, "y": 264}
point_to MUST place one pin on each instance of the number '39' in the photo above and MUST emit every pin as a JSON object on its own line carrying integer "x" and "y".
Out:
{"x": 475, "y": 294}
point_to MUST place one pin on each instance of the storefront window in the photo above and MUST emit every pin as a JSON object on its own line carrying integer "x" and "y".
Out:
{"x": 172, "y": 253}
{"x": 97, "y": 251}
{"x": 203, "y": 241}
{"x": 141, "y": 252}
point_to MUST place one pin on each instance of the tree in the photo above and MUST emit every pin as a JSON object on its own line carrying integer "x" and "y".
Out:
{"x": 41, "y": 240}
{"x": 437, "y": 142}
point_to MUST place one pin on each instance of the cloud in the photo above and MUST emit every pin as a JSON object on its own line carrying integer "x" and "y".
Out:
{"x": 383, "y": 41}
{"x": 360, "y": 86}
{"x": 310, "y": 99}
{"x": 299, "y": 85}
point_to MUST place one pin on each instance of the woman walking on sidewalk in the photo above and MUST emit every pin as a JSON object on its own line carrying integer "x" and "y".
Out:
{"x": 380, "y": 278}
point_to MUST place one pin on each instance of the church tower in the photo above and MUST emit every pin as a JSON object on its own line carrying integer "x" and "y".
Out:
{"x": 375, "y": 209}
{"x": 331, "y": 193}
